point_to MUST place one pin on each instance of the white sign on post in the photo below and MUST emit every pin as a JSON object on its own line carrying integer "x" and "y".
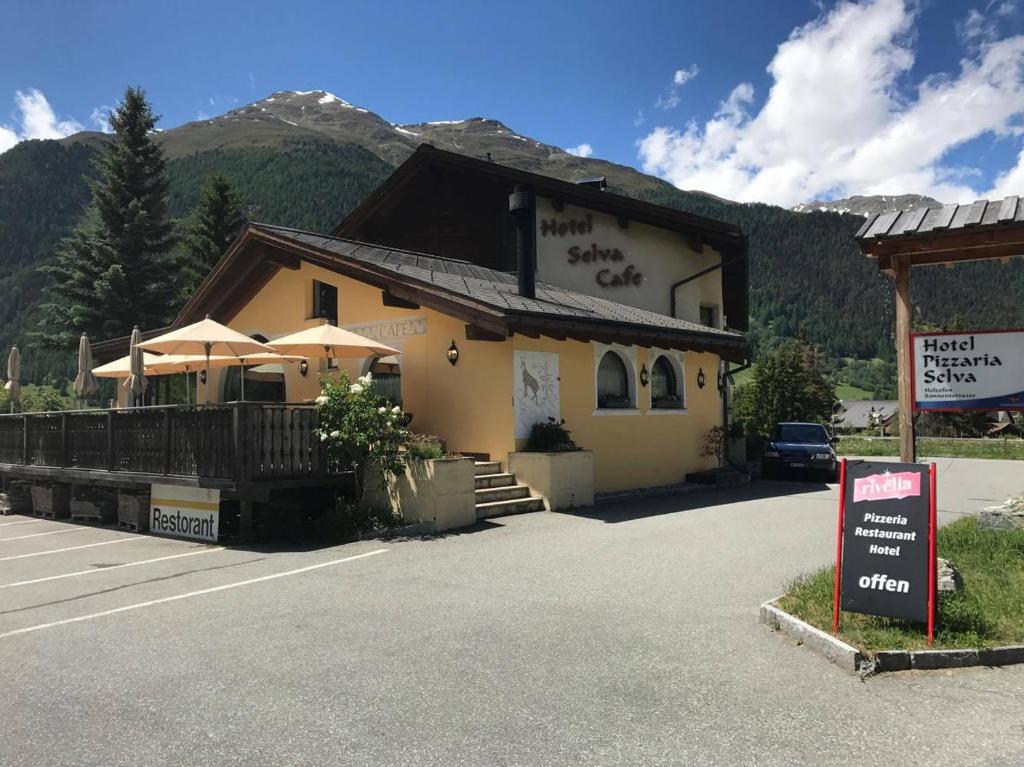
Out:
{"x": 983, "y": 370}
{"x": 184, "y": 512}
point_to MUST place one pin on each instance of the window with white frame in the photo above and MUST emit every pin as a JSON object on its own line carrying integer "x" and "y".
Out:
{"x": 615, "y": 390}
{"x": 667, "y": 383}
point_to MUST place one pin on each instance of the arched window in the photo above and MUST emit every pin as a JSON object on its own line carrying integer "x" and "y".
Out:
{"x": 613, "y": 389}
{"x": 666, "y": 389}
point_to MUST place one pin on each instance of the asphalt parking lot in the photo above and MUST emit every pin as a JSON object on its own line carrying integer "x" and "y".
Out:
{"x": 625, "y": 634}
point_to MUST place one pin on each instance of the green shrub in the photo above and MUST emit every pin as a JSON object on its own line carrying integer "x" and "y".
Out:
{"x": 550, "y": 437}
{"x": 424, "y": 446}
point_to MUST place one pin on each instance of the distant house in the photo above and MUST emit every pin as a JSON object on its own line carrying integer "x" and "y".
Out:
{"x": 860, "y": 415}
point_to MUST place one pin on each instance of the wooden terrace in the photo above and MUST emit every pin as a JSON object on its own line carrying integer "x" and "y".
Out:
{"x": 245, "y": 449}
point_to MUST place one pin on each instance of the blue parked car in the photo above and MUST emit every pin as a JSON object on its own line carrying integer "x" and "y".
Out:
{"x": 803, "y": 447}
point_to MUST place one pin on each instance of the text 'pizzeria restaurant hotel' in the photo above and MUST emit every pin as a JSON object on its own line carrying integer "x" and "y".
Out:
{"x": 512, "y": 298}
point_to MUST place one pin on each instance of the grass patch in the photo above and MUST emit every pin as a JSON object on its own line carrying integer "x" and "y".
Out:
{"x": 1008, "y": 448}
{"x": 845, "y": 391}
{"x": 989, "y": 611}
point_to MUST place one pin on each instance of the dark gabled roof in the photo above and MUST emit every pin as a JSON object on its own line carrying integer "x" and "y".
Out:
{"x": 945, "y": 218}
{"x": 482, "y": 297}
{"x": 724, "y": 237}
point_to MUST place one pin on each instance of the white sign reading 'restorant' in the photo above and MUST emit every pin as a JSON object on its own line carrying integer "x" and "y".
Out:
{"x": 184, "y": 512}
{"x": 983, "y": 370}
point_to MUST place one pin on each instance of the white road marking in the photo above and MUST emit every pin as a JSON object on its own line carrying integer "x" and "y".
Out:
{"x": 40, "y": 535}
{"x": 23, "y": 522}
{"x": 112, "y": 567}
{"x": 176, "y": 597}
{"x": 73, "y": 548}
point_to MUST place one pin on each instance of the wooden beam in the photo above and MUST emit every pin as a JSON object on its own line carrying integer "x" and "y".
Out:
{"x": 904, "y": 313}
{"x": 392, "y": 300}
{"x": 477, "y": 333}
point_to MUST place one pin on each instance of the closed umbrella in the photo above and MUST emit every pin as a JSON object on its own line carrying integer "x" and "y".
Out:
{"x": 13, "y": 385}
{"x": 328, "y": 341}
{"x": 85, "y": 381}
{"x": 136, "y": 381}
{"x": 208, "y": 338}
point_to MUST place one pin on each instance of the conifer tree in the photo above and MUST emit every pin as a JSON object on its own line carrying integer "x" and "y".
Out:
{"x": 114, "y": 270}
{"x": 215, "y": 223}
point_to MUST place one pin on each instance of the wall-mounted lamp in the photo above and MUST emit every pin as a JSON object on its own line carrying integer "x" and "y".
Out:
{"x": 701, "y": 379}
{"x": 202, "y": 377}
{"x": 303, "y": 368}
{"x": 645, "y": 377}
{"x": 453, "y": 353}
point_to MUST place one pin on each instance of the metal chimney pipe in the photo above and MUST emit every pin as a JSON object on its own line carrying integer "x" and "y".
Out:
{"x": 521, "y": 205}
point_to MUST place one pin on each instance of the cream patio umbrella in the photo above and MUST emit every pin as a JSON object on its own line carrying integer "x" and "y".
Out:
{"x": 136, "y": 382}
{"x": 85, "y": 381}
{"x": 121, "y": 368}
{"x": 328, "y": 341}
{"x": 208, "y": 338}
{"x": 13, "y": 385}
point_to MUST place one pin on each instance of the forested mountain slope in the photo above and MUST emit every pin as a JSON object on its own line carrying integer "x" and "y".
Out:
{"x": 306, "y": 159}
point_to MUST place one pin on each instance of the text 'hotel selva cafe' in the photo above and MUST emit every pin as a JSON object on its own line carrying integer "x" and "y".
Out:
{"x": 512, "y": 298}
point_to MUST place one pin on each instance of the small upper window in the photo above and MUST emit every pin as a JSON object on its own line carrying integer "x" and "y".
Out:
{"x": 325, "y": 302}
{"x": 708, "y": 316}
{"x": 613, "y": 389}
{"x": 665, "y": 389}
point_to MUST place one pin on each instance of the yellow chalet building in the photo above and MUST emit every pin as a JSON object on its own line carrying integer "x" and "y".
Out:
{"x": 512, "y": 298}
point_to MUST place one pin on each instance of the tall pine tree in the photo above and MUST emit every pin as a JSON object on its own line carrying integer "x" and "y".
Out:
{"x": 215, "y": 222}
{"x": 114, "y": 270}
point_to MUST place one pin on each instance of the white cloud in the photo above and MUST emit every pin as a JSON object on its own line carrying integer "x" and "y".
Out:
{"x": 100, "y": 119}
{"x": 8, "y": 138}
{"x": 583, "y": 150}
{"x": 640, "y": 119}
{"x": 835, "y": 120}
{"x": 681, "y": 77}
{"x": 37, "y": 121}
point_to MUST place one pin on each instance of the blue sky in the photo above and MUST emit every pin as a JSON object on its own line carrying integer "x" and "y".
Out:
{"x": 774, "y": 101}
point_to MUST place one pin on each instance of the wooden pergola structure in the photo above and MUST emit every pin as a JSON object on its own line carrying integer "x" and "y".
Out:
{"x": 950, "y": 234}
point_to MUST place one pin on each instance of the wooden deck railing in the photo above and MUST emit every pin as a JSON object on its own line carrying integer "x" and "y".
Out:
{"x": 241, "y": 441}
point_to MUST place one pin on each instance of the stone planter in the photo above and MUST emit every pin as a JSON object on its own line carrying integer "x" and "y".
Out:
{"x": 563, "y": 480}
{"x": 439, "y": 492}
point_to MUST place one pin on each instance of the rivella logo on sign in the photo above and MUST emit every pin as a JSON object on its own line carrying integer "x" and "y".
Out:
{"x": 981, "y": 370}
{"x": 184, "y": 512}
{"x": 887, "y": 486}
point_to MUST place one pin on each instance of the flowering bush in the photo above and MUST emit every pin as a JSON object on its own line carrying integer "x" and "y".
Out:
{"x": 361, "y": 429}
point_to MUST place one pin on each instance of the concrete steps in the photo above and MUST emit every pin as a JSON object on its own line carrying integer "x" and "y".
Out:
{"x": 504, "y": 508}
{"x": 501, "y": 479}
{"x": 498, "y": 493}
